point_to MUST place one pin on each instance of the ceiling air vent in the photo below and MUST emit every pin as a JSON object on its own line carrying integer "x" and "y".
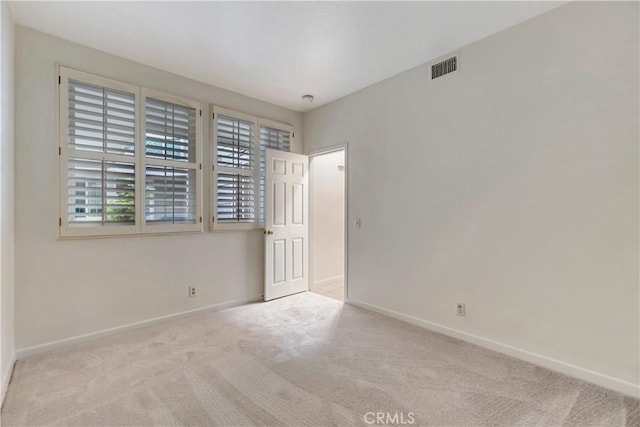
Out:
{"x": 445, "y": 67}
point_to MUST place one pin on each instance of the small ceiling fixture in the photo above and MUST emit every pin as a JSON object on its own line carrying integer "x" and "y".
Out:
{"x": 308, "y": 98}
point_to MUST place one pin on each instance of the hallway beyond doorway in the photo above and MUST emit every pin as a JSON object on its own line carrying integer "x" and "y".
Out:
{"x": 327, "y": 203}
{"x": 332, "y": 289}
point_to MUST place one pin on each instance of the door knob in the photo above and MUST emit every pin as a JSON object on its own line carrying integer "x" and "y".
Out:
{"x": 268, "y": 232}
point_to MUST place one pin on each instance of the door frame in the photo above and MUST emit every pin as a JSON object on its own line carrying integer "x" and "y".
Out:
{"x": 339, "y": 147}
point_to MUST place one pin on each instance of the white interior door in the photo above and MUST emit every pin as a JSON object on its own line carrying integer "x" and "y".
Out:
{"x": 286, "y": 224}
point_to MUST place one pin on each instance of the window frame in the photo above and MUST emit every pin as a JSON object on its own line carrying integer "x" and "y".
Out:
{"x": 139, "y": 160}
{"x": 65, "y": 152}
{"x": 215, "y": 168}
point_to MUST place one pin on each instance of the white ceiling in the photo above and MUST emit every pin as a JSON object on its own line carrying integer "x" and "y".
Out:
{"x": 278, "y": 52}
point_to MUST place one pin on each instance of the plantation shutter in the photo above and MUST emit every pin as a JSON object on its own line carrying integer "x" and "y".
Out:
{"x": 100, "y": 192}
{"x": 171, "y": 193}
{"x": 115, "y": 178}
{"x": 98, "y": 163}
{"x": 101, "y": 119}
{"x": 277, "y": 139}
{"x": 235, "y": 143}
{"x": 236, "y": 198}
{"x": 170, "y": 131}
{"x": 235, "y": 192}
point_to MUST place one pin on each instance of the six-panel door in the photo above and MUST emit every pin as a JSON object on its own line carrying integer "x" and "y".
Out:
{"x": 286, "y": 224}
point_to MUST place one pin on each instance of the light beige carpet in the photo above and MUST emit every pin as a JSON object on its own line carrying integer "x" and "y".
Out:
{"x": 298, "y": 361}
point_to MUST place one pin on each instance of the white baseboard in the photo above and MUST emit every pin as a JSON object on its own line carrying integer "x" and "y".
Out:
{"x": 67, "y": 342}
{"x": 329, "y": 280}
{"x": 6, "y": 378}
{"x": 565, "y": 368}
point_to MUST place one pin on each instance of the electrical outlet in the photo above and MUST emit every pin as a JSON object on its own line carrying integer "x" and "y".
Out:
{"x": 192, "y": 291}
{"x": 460, "y": 309}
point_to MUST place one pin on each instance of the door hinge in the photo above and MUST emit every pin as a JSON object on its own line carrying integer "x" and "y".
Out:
{"x": 200, "y": 166}
{"x": 213, "y": 115}
{"x": 200, "y": 113}
{"x": 59, "y": 151}
{"x": 293, "y": 135}
{"x": 59, "y": 80}
{"x": 213, "y": 219}
{"x": 59, "y": 222}
{"x": 213, "y": 167}
{"x": 200, "y": 219}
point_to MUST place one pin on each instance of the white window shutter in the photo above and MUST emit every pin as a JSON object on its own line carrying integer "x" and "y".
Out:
{"x": 118, "y": 179}
{"x": 101, "y": 119}
{"x": 170, "y": 196}
{"x": 97, "y": 155}
{"x": 236, "y": 198}
{"x": 170, "y": 131}
{"x": 100, "y": 192}
{"x": 235, "y": 143}
{"x": 234, "y": 187}
{"x": 171, "y": 165}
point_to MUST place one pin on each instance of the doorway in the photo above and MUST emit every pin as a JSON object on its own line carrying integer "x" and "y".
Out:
{"x": 327, "y": 206}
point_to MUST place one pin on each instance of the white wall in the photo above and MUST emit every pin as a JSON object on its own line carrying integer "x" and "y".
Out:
{"x": 511, "y": 186}
{"x": 327, "y": 216}
{"x": 68, "y": 288}
{"x": 6, "y": 196}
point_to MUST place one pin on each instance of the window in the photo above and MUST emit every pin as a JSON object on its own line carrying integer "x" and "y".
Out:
{"x": 234, "y": 187}
{"x": 106, "y": 171}
{"x": 239, "y": 167}
{"x": 171, "y": 164}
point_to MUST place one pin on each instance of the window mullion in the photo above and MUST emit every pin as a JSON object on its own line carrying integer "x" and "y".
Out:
{"x": 139, "y": 156}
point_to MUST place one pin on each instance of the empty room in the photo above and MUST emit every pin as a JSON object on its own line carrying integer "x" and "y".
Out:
{"x": 320, "y": 213}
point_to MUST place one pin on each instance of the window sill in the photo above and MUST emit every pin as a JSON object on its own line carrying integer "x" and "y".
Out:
{"x": 129, "y": 235}
{"x": 231, "y": 228}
